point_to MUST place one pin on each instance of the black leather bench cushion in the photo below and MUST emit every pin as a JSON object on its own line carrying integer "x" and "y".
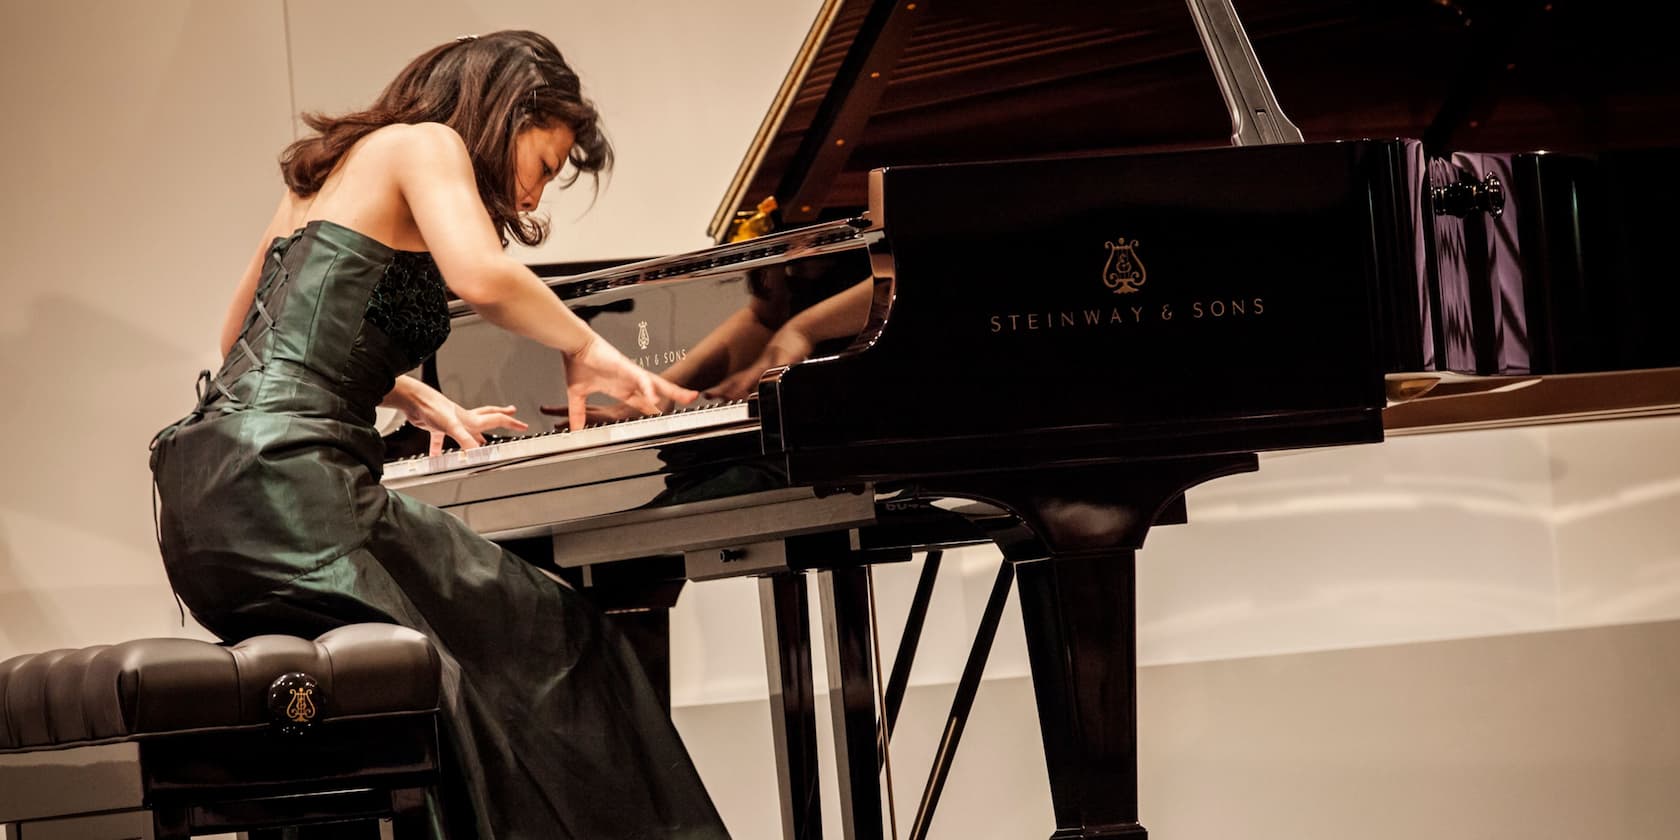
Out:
{"x": 151, "y": 686}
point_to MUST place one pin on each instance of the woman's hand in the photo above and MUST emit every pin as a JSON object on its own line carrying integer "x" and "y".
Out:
{"x": 786, "y": 347}
{"x": 426, "y": 407}
{"x": 598, "y": 368}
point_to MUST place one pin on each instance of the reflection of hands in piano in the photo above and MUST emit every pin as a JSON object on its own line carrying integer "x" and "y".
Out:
{"x": 597, "y": 414}
{"x": 786, "y": 347}
{"x": 839, "y": 316}
{"x": 427, "y": 408}
{"x": 599, "y": 368}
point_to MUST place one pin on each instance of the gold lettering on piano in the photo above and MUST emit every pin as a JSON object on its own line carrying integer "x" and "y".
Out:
{"x": 1124, "y": 272}
{"x": 654, "y": 361}
{"x": 1213, "y": 309}
{"x": 1228, "y": 308}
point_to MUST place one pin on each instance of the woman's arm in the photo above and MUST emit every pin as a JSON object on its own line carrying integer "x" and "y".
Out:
{"x": 435, "y": 176}
{"x": 732, "y": 344}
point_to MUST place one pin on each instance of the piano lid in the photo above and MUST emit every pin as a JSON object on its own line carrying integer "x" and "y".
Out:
{"x": 896, "y": 82}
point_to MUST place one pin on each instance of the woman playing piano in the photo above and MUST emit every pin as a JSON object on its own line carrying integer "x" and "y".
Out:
{"x": 273, "y": 519}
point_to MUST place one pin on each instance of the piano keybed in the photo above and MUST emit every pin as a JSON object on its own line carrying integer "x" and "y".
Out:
{"x": 542, "y": 444}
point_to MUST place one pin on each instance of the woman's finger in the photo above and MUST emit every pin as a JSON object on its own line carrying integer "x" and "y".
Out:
{"x": 466, "y": 437}
{"x": 489, "y": 423}
{"x": 494, "y": 418}
{"x": 644, "y": 404}
{"x": 650, "y": 397}
{"x": 436, "y": 447}
{"x": 674, "y": 392}
{"x": 733, "y": 388}
{"x": 575, "y": 408}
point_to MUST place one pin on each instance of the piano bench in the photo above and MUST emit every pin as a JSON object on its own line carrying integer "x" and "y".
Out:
{"x": 168, "y": 738}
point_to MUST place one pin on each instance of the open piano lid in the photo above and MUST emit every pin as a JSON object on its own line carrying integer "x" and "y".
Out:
{"x": 880, "y": 83}
{"x": 904, "y": 82}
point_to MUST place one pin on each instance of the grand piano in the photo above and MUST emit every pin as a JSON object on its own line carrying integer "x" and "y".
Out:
{"x": 1030, "y": 272}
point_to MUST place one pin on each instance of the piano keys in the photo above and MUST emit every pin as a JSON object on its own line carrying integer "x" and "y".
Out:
{"x": 411, "y": 472}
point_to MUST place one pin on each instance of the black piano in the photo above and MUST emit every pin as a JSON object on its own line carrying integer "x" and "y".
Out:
{"x": 1022, "y": 279}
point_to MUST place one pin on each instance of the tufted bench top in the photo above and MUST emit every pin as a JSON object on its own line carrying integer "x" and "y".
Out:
{"x": 148, "y": 687}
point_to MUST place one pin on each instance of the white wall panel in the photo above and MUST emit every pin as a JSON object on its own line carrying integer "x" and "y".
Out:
{"x": 1417, "y": 538}
{"x": 1617, "y": 518}
{"x": 138, "y": 169}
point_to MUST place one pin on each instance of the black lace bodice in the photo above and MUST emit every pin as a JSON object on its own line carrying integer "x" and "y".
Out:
{"x": 409, "y": 304}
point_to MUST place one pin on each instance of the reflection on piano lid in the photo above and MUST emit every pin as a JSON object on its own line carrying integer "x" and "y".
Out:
{"x": 699, "y": 319}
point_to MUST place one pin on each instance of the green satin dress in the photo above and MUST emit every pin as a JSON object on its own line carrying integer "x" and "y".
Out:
{"x": 273, "y": 520}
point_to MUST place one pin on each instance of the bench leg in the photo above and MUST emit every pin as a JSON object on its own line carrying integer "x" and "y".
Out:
{"x": 170, "y": 824}
{"x": 410, "y": 819}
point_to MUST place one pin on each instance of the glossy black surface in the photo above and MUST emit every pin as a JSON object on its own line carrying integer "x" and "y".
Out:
{"x": 220, "y": 782}
{"x": 846, "y": 607}
{"x": 1008, "y": 344}
{"x": 674, "y": 325}
{"x": 784, "y": 608}
{"x": 1573, "y": 276}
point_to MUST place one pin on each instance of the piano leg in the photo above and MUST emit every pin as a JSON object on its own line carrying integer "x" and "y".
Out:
{"x": 846, "y": 631}
{"x": 1073, "y": 535}
{"x": 783, "y": 605}
{"x": 1082, "y": 645}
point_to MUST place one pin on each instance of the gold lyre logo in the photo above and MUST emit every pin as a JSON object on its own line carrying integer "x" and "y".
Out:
{"x": 302, "y": 707}
{"x": 1123, "y": 272}
{"x": 642, "y": 335}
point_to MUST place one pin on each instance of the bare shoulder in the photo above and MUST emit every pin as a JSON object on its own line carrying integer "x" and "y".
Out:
{"x": 288, "y": 216}
{"x": 421, "y": 144}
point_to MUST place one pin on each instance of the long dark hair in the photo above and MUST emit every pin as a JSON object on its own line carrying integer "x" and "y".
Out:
{"x": 487, "y": 88}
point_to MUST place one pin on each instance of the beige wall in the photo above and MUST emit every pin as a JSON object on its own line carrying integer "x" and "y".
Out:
{"x": 137, "y": 158}
{"x": 137, "y": 173}
{"x": 681, "y": 87}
